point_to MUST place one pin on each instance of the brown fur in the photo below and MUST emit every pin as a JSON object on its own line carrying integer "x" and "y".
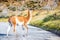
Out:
{"x": 12, "y": 19}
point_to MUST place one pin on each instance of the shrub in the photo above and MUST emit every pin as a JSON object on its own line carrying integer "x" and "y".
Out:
{"x": 52, "y": 25}
{"x": 33, "y": 5}
{"x": 51, "y": 17}
{"x": 0, "y": 10}
{"x": 12, "y": 8}
{"x": 37, "y": 23}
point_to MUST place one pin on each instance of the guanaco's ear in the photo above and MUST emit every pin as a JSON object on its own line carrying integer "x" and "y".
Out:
{"x": 29, "y": 11}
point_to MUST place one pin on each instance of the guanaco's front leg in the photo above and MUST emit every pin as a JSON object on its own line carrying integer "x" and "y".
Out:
{"x": 14, "y": 28}
{"x": 25, "y": 25}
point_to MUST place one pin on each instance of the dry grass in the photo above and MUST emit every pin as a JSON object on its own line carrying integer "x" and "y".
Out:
{"x": 3, "y": 19}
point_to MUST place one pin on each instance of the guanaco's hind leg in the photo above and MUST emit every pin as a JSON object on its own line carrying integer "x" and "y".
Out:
{"x": 8, "y": 30}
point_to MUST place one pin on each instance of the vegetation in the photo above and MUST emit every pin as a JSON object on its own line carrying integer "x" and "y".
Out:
{"x": 12, "y": 8}
{"x": 50, "y": 23}
{"x": 0, "y": 10}
{"x": 52, "y": 17}
{"x": 33, "y": 5}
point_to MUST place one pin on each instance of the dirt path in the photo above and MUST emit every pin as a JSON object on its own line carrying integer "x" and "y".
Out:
{"x": 33, "y": 34}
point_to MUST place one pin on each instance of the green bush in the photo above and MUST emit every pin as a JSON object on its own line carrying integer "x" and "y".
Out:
{"x": 0, "y": 10}
{"x": 52, "y": 17}
{"x": 37, "y": 23}
{"x": 12, "y": 8}
{"x": 33, "y": 5}
{"x": 52, "y": 25}
{"x": 4, "y": 17}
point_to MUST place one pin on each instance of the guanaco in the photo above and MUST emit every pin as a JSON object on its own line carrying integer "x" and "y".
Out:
{"x": 21, "y": 20}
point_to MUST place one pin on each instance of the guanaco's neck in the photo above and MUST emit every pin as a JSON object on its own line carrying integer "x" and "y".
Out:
{"x": 29, "y": 17}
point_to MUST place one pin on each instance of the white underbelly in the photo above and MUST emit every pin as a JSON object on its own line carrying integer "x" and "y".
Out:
{"x": 19, "y": 22}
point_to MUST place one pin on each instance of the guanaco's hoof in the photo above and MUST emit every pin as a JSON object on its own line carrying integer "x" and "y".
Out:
{"x": 14, "y": 30}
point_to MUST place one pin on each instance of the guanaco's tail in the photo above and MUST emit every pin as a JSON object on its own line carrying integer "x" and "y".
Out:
{"x": 10, "y": 22}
